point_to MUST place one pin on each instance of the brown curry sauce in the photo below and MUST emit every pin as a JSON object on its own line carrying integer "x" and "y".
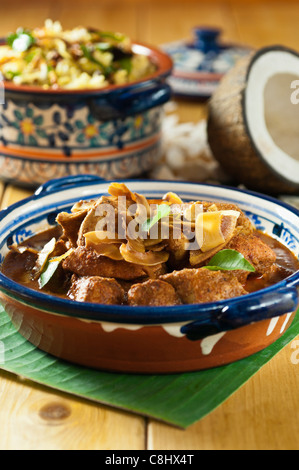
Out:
{"x": 19, "y": 266}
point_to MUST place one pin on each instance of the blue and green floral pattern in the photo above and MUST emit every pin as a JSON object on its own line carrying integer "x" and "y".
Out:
{"x": 70, "y": 130}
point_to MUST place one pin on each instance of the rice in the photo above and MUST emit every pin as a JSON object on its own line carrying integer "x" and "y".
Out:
{"x": 51, "y": 57}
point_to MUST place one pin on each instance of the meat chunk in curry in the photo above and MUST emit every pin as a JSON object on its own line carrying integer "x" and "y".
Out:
{"x": 153, "y": 292}
{"x": 258, "y": 253}
{"x": 96, "y": 289}
{"x": 86, "y": 262}
{"x": 201, "y": 285}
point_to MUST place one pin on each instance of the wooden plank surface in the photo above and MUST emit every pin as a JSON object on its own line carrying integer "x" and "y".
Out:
{"x": 37, "y": 418}
{"x": 13, "y": 194}
{"x": 263, "y": 414}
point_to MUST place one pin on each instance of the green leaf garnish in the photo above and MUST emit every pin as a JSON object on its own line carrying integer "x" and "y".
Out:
{"x": 21, "y": 40}
{"x": 126, "y": 64}
{"x": 51, "y": 267}
{"x": 118, "y": 37}
{"x": 162, "y": 211}
{"x": 47, "y": 274}
{"x": 229, "y": 260}
{"x": 11, "y": 75}
{"x": 44, "y": 254}
{"x": 30, "y": 55}
{"x": 87, "y": 52}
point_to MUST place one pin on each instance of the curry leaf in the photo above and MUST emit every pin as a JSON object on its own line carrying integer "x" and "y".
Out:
{"x": 48, "y": 273}
{"x": 162, "y": 211}
{"x": 45, "y": 253}
{"x": 51, "y": 267}
{"x": 229, "y": 260}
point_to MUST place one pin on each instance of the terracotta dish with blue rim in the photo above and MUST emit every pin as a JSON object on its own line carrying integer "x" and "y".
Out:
{"x": 149, "y": 339}
{"x": 199, "y": 64}
{"x": 112, "y": 132}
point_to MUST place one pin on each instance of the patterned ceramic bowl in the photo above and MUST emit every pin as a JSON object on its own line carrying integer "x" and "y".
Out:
{"x": 200, "y": 63}
{"x": 148, "y": 339}
{"x": 113, "y": 132}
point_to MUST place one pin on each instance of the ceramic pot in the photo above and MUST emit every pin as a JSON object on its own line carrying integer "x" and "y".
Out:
{"x": 147, "y": 339}
{"x": 114, "y": 132}
{"x": 201, "y": 62}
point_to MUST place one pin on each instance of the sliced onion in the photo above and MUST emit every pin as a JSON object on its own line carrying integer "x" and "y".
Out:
{"x": 172, "y": 198}
{"x": 109, "y": 250}
{"x": 101, "y": 236}
{"x": 149, "y": 258}
{"x": 120, "y": 189}
{"x": 149, "y": 242}
{"x": 156, "y": 245}
{"x": 82, "y": 206}
{"x": 142, "y": 201}
{"x": 136, "y": 244}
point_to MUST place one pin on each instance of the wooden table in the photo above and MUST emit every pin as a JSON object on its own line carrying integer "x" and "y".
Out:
{"x": 264, "y": 413}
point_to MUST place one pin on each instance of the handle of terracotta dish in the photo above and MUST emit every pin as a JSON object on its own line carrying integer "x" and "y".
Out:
{"x": 135, "y": 100}
{"x": 265, "y": 306}
{"x": 66, "y": 181}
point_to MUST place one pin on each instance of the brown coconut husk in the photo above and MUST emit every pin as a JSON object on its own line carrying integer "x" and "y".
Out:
{"x": 229, "y": 139}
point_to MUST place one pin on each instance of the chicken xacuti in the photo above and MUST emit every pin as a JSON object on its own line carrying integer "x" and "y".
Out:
{"x": 125, "y": 249}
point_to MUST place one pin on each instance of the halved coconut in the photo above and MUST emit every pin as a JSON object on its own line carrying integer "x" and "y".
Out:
{"x": 253, "y": 123}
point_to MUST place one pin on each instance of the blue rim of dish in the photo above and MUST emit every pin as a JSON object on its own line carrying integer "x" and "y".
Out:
{"x": 146, "y": 315}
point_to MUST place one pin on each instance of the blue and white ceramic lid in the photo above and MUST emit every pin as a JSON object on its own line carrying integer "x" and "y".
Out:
{"x": 199, "y": 64}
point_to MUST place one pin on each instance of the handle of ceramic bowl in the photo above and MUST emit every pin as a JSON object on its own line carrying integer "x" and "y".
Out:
{"x": 135, "y": 100}
{"x": 66, "y": 181}
{"x": 237, "y": 314}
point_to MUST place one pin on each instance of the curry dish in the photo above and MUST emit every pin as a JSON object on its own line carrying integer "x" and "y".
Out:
{"x": 125, "y": 249}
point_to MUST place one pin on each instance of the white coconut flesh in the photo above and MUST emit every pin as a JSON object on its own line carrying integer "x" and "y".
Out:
{"x": 270, "y": 115}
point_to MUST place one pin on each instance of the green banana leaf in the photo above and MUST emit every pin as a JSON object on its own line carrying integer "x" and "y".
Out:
{"x": 178, "y": 399}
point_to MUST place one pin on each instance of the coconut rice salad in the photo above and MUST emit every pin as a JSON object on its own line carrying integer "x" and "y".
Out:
{"x": 52, "y": 57}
